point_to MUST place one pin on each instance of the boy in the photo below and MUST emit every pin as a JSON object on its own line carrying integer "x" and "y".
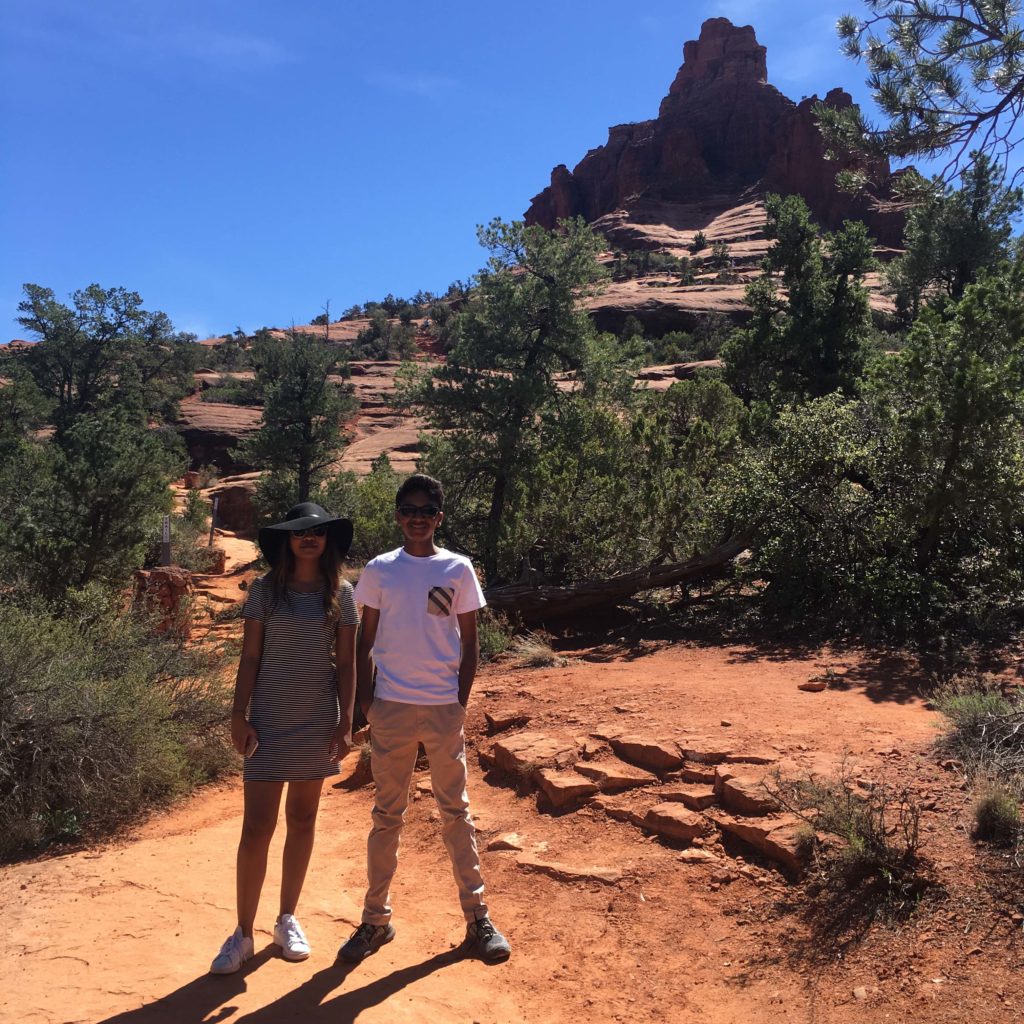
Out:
{"x": 419, "y": 621}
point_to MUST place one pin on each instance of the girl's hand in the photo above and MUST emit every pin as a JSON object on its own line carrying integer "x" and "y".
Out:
{"x": 341, "y": 742}
{"x": 243, "y": 735}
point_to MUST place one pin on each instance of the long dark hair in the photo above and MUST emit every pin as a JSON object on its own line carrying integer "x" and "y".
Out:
{"x": 330, "y": 571}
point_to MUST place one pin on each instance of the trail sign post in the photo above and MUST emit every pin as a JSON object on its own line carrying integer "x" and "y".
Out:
{"x": 165, "y": 542}
{"x": 213, "y": 518}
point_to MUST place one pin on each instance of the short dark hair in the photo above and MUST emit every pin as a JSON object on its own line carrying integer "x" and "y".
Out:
{"x": 421, "y": 482}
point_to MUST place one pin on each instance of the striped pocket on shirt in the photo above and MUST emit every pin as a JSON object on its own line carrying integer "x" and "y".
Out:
{"x": 439, "y": 600}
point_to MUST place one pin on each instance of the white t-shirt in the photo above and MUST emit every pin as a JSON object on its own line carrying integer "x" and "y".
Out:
{"x": 418, "y": 645}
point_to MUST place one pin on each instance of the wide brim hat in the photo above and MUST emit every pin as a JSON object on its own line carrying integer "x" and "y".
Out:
{"x": 305, "y": 516}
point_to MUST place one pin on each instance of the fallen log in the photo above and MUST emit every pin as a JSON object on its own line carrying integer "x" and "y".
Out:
{"x": 541, "y": 602}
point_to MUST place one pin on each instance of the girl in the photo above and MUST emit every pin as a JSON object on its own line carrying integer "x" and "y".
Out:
{"x": 292, "y": 715}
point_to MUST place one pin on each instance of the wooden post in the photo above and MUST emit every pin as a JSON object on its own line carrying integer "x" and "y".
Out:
{"x": 165, "y": 543}
{"x": 213, "y": 518}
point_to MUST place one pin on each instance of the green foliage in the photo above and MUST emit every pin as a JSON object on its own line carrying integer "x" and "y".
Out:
{"x": 234, "y": 391}
{"x": 382, "y": 338}
{"x": 876, "y": 860}
{"x": 493, "y": 635}
{"x": 952, "y": 236}
{"x": 523, "y": 323}
{"x": 98, "y": 720}
{"x": 234, "y": 353}
{"x": 23, "y": 406}
{"x": 699, "y": 242}
{"x": 645, "y": 263}
{"x": 196, "y": 510}
{"x": 997, "y": 814}
{"x": 87, "y": 508}
{"x": 105, "y": 351}
{"x": 811, "y": 342}
{"x": 947, "y": 76}
{"x": 899, "y": 511}
{"x": 369, "y": 502}
{"x": 303, "y": 411}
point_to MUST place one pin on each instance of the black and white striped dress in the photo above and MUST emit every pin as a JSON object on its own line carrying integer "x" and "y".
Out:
{"x": 294, "y": 704}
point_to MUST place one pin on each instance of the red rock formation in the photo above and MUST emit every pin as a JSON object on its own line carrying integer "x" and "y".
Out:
{"x": 165, "y": 593}
{"x": 723, "y": 136}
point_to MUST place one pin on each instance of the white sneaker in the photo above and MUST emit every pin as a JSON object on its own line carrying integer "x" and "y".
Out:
{"x": 288, "y": 934}
{"x": 235, "y": 951}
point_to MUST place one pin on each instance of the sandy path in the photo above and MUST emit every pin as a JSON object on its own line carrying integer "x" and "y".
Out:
{"x": 126, "y": 932}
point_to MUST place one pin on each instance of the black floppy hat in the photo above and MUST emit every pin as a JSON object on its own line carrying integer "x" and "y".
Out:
{"x": 305, "y": 516}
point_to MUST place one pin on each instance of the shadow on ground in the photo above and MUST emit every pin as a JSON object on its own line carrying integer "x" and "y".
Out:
{"x": 316, "y": 1001}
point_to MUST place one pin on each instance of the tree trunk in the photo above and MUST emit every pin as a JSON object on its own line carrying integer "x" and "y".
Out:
{"x": 539, "y": 603}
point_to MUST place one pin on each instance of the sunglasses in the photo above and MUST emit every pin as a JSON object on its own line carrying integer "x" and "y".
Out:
{"x": 312, "y": 531}
{"x": 418, "y": 511}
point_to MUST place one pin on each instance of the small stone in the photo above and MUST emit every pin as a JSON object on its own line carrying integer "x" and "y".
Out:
{"x": 860, "y": 992}
{"x": 698, "y": 856}
{"x": 725, "y": 723}
{"x": 813, "y": 686}
{"x": 563, "y": 789}
{"x": 506, "y": 841}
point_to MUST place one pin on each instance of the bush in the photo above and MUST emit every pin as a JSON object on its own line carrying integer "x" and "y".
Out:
{"x": 533, "y": 650}
{"x": 979, "y": 723}
{"x": 997, "y": 814}
{"x": 699, "y": 241}
{"x": 196, "y": 509}
{"x": 370, "y": 503}
{"x": 493, "y": 635}
{"x": 98, "y": 720}
{"x": 875, "y": 859}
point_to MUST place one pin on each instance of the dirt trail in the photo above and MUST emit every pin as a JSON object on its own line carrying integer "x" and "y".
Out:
{"x": 125, "y": 932}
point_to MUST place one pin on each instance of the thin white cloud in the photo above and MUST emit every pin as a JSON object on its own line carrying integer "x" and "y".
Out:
{"x": 428, "y": 86}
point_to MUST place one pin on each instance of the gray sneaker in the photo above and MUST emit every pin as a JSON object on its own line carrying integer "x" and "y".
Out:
{"x": 486, "y": 941}
{"x": 366, "y": 939}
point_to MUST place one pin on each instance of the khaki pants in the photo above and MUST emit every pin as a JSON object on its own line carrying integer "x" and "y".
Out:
{"x": 396, "y": 730}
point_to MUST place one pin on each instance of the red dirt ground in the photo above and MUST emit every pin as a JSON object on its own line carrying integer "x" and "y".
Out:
{"x": 125, "y": 931}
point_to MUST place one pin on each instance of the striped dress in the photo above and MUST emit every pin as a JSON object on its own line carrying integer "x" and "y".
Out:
{"x": 294, "y": 704}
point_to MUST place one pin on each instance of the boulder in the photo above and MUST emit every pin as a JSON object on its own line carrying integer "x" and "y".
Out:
{"x": 653, "y": 754}
{"x": 165, "y": 592}
{"x": 563, "y": 789}
{"x": 743, "y": 794}
{"x": 502, "y": 723}
{"x": 674, "y": 821}
{"x": 236, "y": 509}
{"x": 525, "y": 752}
{"x": 781, "y": 839}
{"x": 615, "y": 776}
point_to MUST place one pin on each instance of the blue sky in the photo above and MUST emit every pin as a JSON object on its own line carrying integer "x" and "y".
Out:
{"x": 239, "y": 163}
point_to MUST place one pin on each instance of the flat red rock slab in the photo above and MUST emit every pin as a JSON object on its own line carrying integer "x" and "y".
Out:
{"x": 563, "y": 789}
{"x": 743, "y": 794}
{"x": 780, "y": 839}
{"x": 646, "y": 752}
{"x": 527, "y": 751}
{"x": 569, "y": 872}
{"x": 613, "y": 777}
{"x": 697, "y": 798}
{"x": 674, "y": 821}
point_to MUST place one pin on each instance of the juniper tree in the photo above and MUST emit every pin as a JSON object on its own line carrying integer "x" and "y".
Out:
{"x": 303, "y": 412}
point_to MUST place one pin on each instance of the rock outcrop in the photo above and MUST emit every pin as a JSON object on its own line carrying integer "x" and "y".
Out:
{"x": 722, "y": 136}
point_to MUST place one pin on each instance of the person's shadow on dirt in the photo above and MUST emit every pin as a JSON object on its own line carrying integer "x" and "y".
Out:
{"x": 306, "y": 1003}
{"x": 199, "y": 998}
{"x": 208, "y": 997}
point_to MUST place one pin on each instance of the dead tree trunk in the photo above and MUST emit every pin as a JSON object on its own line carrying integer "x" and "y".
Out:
{"x": 538, "y": 603}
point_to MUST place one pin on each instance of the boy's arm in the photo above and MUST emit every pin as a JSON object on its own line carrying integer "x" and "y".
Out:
{"x": 364, "y": 662}
{"x": 345, "y": 661}
{"x": 470, "y": 655}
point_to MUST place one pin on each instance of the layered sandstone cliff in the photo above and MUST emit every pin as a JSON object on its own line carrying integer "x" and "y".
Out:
{"x": 722, "y": 138}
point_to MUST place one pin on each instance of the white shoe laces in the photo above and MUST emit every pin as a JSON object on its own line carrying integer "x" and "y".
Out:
{"x": 293, "y": 930}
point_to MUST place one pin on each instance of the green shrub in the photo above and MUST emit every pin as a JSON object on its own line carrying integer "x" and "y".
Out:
{"x": 196, "y": 510}
{"x": 699, "y": 241}
{"x": 973, "y": 706}
{"x": 493, "y": 635}
{"x": 370, "y": 503}
{"x": 997, "y": 814}
{"x": 874, "y": 855}
{"x": 99, "y": 719}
